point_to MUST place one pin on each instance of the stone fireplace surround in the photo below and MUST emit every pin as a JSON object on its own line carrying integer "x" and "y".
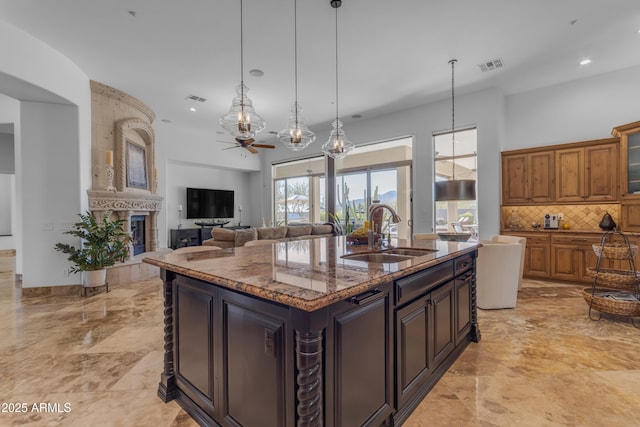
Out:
{"x": 120, "y": 121}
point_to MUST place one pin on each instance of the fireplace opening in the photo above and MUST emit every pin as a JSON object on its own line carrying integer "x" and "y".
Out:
{"x": 137, "y": 233}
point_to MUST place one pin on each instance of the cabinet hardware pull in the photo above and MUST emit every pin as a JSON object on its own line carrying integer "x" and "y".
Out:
{"x": 360, "y": 300}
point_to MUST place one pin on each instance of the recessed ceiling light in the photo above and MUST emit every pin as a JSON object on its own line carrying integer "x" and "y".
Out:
{"x": 256, "y": 73}
{"x": 585, "y": 61}
{"x": 192, "y": 109}
{"x": 165, "y": 120}
{"x": 356, "y": 116}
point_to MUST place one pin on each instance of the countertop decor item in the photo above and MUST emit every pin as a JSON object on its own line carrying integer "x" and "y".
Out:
{"x": 454, "y": 237}
{"x": 607, "y": 223}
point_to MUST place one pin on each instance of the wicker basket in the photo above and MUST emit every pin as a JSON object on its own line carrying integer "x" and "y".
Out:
{"x": 612, "y": 306}
{"x": 616, "y": 279}
{"x": 616, "y": 251}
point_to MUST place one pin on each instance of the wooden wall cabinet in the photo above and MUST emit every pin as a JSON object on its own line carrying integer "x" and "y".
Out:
{"x": 587, "y": 174}
{"x": 528, "y": 178}
{"x": 629, "y": 135}
{"x": 580, "y": 172}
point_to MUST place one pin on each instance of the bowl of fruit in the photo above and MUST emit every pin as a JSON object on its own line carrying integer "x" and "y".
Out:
{"x": 359, "y": 236}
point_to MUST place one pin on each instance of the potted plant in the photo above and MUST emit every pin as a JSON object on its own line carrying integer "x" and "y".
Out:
{"x": 103, "y": 244}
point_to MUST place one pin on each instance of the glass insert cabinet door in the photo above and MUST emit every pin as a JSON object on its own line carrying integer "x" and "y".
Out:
{"x": 633, "y": 163}
{"x": 629, "y": 135}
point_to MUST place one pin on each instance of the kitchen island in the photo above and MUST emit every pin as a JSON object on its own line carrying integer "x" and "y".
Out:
{"x": 295, "y": 334}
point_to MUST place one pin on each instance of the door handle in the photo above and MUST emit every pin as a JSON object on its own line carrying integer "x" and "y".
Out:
{"x": 365, "y": 297}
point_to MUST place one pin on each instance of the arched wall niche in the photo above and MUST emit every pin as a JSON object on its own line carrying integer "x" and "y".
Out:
{"x": 135, "y": 138}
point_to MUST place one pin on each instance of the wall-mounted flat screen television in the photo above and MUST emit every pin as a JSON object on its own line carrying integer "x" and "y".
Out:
{"x": 205, "y": 203}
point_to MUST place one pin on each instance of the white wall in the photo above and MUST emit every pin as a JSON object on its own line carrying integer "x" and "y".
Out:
{"x": 485, "y": 109}
{"x": 7, "y": 153}
{"x": 188, "y": 158}
{"x": 581, "y": 110}
{"x": 181, "y": 175}
{"x": 52, "y": 151}
{"x": 9, "y": 113}
{"x": 47, "y": 214}
{"x": 7, "y": 189}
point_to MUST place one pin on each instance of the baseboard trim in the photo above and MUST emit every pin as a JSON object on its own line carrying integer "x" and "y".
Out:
{"x": 46, "y": 291}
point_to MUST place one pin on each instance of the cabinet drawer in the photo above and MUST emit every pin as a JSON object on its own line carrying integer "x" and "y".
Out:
{"x": 463, "y": 263}
{"x": 417, "y": 284}
{"x": 584, "y": 239}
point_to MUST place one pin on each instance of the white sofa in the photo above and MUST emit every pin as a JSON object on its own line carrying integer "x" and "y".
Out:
{"x": 499, "y": 272}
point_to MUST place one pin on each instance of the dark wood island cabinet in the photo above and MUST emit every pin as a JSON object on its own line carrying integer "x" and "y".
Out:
{"x": 293, "y": 334}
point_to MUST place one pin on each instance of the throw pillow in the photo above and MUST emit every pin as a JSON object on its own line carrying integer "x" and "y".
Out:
{"x": 271, "y": 233}
{"x": 245, "y": 235}
{"x": 223, "y": 234}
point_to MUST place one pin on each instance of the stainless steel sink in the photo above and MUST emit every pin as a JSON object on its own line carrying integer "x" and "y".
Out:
{"x": 413, "y": 252}
{"x": 378, "y": 257}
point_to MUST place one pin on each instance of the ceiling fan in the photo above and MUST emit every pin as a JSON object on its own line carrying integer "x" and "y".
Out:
{"x": 248, "y": 144}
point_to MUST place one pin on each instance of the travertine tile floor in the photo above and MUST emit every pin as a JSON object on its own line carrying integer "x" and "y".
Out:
{"x": 96, "y": 361}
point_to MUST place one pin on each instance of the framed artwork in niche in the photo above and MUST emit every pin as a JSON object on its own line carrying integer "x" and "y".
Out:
{"x": 136, "y": 166}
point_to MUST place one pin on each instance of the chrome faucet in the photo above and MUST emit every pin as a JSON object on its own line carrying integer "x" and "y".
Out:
{"x": 372, "y": 235}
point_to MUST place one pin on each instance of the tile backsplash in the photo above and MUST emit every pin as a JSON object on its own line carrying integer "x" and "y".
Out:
{"x": 579, "y": 217}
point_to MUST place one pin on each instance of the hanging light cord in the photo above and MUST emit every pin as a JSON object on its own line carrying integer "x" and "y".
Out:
{"x": 336, "y": 64}
{"x": 295, "y": 54}
{"x": 453, "y": 121}
{"x": 241, "y": 65}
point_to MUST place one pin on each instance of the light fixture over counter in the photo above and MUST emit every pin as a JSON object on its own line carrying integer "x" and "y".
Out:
{"x": 297, "y": 135}
{"x": 453, "y": 189}
{"x": 337, "y": 146}
{"x": 241, "y": 121}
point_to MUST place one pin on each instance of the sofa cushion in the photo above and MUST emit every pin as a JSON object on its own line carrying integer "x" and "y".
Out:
{"x": 218, "y": 243}
{"x": 299, "y": 230}
{"x": 272, "y": 233}
{"x": 223, "y": 235}
{"x": 321, "y": 229}
{"x": 245, "y": 235}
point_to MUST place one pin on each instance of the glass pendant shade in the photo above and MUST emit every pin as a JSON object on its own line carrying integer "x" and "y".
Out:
{"x": 297, "y": 135}
{"x": 338, "y": 146}
{"x": 456, "y": 189}
{"x": 242, "y": 121}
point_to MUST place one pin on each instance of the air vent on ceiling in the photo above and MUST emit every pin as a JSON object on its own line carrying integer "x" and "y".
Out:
{"x": 491, "y": 65}
{"x": 195, "y": 98}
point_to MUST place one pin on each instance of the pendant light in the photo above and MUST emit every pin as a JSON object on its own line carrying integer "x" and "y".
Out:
{"x": 296, "y": 136}
{"x": 241, "y": 121}
{"x": 338, "y": 146}
{"x": 454, "y": 189}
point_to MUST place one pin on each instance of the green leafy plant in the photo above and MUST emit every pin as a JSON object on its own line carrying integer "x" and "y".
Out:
{"x": 103, "y": 243}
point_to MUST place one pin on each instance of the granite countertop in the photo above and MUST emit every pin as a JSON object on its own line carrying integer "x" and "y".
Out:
{"x": 306, "y": 274}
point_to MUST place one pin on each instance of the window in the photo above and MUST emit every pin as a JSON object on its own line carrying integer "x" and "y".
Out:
{"x": 298, "y": 189}
{"x": 464, "y": 212}
{"x": 380, "y": 169}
